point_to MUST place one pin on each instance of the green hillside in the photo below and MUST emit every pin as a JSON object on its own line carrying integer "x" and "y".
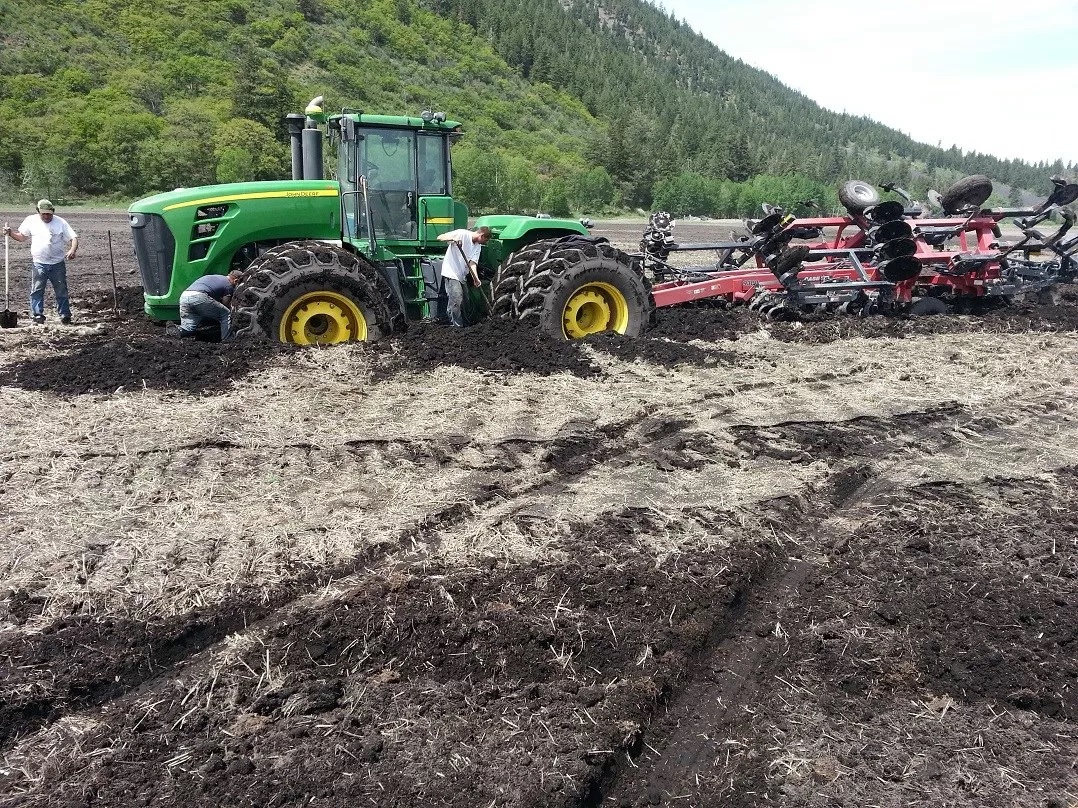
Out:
{"x": 584, "y": 106}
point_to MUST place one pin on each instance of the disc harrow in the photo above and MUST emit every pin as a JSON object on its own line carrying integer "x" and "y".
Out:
{"x": 881, "y": 256}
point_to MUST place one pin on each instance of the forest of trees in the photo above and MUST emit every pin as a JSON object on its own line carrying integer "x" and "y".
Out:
{"x": 587, "y": 106}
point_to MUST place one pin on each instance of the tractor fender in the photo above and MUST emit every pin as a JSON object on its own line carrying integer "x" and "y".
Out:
{"x": 512, "y": 233}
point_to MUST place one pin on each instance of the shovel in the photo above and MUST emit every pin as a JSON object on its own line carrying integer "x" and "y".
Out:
{"x": 8, "y": 318}
{"x": 482, "y": 289}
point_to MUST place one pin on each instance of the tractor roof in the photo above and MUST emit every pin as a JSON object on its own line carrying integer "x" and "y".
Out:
{"x": 401, "y": 121}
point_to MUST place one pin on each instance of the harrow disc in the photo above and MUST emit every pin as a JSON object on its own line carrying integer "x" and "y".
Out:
{"x": 897, "y": 248}
{"x": 1067, "y": 194}
{"x": 892, "y": 230}
{"x": 887, "y": 211}
{"x": 900, "y": 269}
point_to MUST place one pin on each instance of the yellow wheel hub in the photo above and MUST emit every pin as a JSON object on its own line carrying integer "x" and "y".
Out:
{"x": 322, "y": 318}
{"x": 594, "y": 308}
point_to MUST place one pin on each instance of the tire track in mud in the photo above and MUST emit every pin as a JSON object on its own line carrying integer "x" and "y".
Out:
{"x": 703, "y": 714}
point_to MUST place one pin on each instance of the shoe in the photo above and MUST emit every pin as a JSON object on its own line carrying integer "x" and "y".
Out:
{"x": 65, "y": 320}
{"x": 39, "y": 319}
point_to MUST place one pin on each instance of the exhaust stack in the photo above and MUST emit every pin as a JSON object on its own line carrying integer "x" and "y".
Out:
{"x": 294, "y": 122}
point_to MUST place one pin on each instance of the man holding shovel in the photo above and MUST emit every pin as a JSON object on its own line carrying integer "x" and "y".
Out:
{"x": 461, "y": 261}
{"x": 52, "y": 241}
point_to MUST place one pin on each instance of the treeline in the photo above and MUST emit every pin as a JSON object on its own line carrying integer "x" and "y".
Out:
{"x": 586, "y": 107}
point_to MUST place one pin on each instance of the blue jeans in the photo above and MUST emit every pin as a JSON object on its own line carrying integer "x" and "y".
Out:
{"x": 454, "y": 294}
{"x": 49, "y": 273}
{"x": 197, "y": 307}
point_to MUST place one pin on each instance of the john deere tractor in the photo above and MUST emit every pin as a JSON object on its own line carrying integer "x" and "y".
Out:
{"x": 357, "y": 257}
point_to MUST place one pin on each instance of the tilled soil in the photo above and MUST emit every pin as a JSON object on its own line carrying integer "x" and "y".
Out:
{"x": 734, "y": 563}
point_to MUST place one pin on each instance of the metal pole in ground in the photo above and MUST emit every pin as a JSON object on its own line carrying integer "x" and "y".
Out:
{"x": 112, "y": 264}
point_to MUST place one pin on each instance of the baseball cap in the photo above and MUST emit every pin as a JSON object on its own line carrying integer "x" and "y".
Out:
{"x": 44, "y": 204}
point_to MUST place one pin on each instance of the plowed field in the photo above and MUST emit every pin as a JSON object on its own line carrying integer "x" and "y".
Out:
{"x": 733, "y": 563}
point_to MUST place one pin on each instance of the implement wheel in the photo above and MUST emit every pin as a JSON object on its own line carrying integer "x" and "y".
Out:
{"x": 856, "y": 195}
{"x": 573, "y": 289}
{"x": 969, "y": 192}
{"x": 926, "y": 306}
{"x": 312, "y": 293}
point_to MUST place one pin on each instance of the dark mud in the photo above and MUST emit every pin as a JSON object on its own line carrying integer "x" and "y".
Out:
{"x": 502, "y": 684}
{"x": 708, "y": 323}
{"x": 134, "y": 356}
{"x": 134, "y": 353}
{"x": 943, "y": 603}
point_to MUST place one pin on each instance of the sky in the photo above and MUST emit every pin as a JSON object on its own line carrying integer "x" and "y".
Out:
{"x": 994, "y": 76}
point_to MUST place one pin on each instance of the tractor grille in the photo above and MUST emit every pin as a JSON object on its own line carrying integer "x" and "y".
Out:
{"x": 155, "y": 248}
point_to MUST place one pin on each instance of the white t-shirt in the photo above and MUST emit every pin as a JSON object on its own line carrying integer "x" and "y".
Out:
{"x": 454, "y": 266}
{"x": 47, "y": 241}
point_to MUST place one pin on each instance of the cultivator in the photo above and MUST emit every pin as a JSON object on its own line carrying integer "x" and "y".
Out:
{"x": 881, "y": 256}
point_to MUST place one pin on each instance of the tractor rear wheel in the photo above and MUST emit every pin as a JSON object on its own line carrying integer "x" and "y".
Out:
{"x": 856, "y": 195}
{"x": 968, "y": 192}
{"x": 573, "y": 290}
{"x": 313, "y": 293}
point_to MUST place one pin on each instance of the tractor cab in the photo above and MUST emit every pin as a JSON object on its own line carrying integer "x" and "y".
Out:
{"x": 395, "y": 176}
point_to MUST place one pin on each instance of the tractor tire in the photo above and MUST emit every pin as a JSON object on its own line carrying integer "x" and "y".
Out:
{"x": 968, "y": 192}
{"x": 573, "y": 289}
{"x": 929, "y": 305}
{"x": 856, "y": 195}
{"x": 313, "y": 293}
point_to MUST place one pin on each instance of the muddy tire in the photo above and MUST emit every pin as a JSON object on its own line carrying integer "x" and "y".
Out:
{"x": 790, "y": 260}
{"x": 856, "y": 195}
{"x": 573, "y": 289}
{"x": 968, "y": 192}
{"x": 310, "y": 292}
{"x": 929, "y": 305}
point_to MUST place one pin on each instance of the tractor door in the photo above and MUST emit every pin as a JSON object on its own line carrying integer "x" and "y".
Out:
{"x": 387, "y": 158}
{"x": 438, "y": 213}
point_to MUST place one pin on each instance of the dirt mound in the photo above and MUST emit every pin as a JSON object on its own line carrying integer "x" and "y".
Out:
{"x": 503, "y": 345}
{"x": 129, "y": 300}
{"x": 494, "y": 344}
{"x": 132, "y": 359}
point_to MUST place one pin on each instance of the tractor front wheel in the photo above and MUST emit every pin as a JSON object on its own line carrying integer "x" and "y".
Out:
{"x": 573, "y": 290}
{"x": 312, "y": 293}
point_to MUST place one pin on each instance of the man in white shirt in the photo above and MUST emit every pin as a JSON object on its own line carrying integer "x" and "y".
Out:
{"x": 51, "y": 242}
{"x": 461, "y": 261}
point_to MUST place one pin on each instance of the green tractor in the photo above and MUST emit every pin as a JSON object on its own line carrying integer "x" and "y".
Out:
{"x": 358, "y": 257}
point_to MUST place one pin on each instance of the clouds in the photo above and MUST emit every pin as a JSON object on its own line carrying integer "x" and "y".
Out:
{"x": 981, "y": 76}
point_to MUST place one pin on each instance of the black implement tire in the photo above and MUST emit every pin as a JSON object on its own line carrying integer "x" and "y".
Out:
{"x": 790, "y": 259}
{"x": 856, "y": 195}
{"x": 351, "y": 300}
{"x": 929, "y": 305}
{"x": 968, "y": 192}
{"x": 572, "y": 290}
